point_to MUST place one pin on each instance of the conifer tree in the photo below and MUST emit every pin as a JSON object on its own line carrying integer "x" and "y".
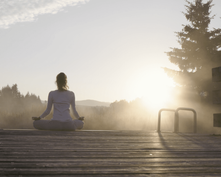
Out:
{"x": 199, "y": 52}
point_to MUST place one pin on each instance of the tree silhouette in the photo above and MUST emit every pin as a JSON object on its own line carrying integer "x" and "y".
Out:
{"x": 13, "y": 102}
{"x": 200, "y": 50}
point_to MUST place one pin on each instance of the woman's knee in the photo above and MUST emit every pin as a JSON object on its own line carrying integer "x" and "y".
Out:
{"x": 40, "y": 124}
{"x": 35, "y": 124}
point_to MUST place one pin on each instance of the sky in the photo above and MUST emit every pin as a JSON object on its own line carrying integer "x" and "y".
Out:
{"x": 109, "y": 49}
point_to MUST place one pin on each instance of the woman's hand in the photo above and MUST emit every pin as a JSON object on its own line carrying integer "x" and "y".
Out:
{"x": 81, "y": 118}
{"x": 36, "y": 118}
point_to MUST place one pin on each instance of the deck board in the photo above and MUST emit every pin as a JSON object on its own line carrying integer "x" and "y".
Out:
{"x": 108, "y": 153}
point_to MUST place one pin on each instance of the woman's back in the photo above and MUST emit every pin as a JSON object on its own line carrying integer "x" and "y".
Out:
{"x": 61, "y": 101}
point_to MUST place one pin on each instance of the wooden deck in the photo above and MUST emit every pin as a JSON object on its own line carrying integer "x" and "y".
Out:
{"x": 108, "y": 153}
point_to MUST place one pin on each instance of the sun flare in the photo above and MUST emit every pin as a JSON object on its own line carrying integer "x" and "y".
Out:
{"x": 153, "y": 86}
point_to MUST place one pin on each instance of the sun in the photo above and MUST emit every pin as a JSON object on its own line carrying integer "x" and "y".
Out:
{"x": 153, "y": 86}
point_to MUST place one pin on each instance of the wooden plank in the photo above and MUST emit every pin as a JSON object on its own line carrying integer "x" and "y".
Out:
{"x": 172, "y": 154}
{"x": 111, "y": 153}
{"x": 109, "y": 170}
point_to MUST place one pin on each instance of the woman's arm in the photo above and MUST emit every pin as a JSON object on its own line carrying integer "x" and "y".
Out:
{"x": 76, "y": 115}
{"x": 49, "y": 106}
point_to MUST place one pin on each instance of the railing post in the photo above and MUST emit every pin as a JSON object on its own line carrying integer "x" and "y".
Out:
{"x": 159, "y": 121}
{"x": 159, "y": 117}
{"x": 176, "y": 123}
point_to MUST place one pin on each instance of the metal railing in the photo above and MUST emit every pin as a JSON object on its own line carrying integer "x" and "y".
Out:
{"x": 176, "y": 118}
{"x": 159, "y": 116}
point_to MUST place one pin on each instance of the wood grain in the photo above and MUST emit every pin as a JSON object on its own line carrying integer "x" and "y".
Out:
{"x": 108, "y": 153}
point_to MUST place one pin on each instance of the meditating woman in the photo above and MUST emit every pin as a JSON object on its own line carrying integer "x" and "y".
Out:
{"x": 61, "y": 99}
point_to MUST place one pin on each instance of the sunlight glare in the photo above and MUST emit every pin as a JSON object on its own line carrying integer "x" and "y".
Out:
{"x": 153, "y": 86}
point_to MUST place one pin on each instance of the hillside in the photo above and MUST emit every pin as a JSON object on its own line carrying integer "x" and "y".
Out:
{"x": 92, "y": 103}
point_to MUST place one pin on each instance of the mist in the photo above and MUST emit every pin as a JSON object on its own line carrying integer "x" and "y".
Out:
{"x": 121, "y": 115}
{"x": 16, "y": 111}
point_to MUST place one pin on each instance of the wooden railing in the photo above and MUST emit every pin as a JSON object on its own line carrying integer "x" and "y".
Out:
{"x": 176, "y": 118}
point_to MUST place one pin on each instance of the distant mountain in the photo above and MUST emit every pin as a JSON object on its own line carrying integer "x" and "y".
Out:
{"x": 92, "y": 103}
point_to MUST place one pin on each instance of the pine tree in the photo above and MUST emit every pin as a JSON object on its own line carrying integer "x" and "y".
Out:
{"x": 200, "y": 50}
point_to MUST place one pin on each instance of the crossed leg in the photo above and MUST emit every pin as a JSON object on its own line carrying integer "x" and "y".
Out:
{"x": 58, "y": 125}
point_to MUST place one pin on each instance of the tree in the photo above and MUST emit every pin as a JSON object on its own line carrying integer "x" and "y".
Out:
{"x": 200, "y": 50}
{"x": 12, "y": 101}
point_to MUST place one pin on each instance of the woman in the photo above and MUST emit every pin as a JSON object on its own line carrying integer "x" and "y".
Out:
{"x": 61, "y": 99}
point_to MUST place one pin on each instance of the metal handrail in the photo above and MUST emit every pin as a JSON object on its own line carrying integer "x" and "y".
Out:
{"x": 176, "y": 123}
{"x": 176, "y": 118}
{"x": 159, "y": 116}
